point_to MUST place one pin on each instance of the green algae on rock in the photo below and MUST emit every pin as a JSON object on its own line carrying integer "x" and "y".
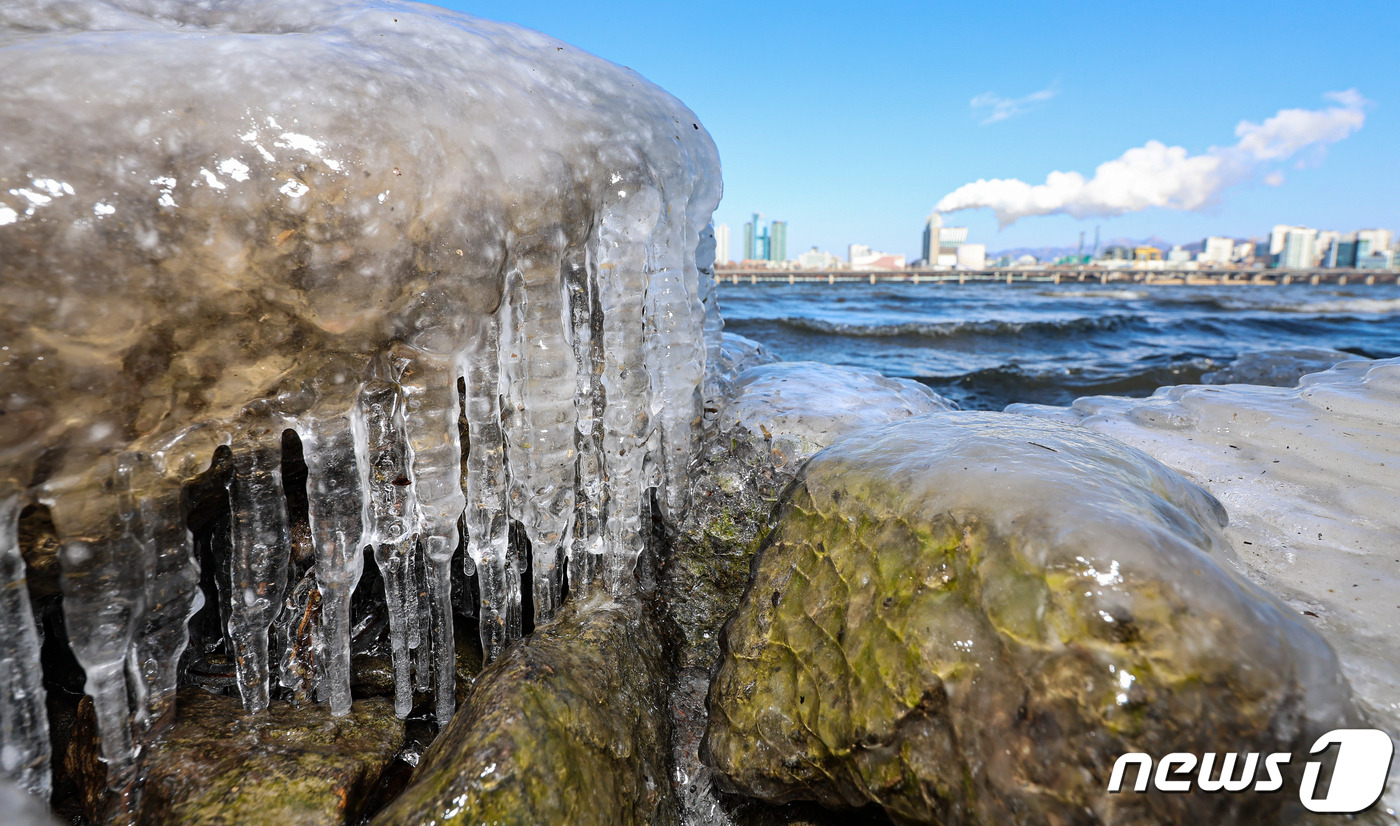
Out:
{"x": 968, "y": 617}
{"x": 219, "y": 766}
{"x": 568, "y": 726}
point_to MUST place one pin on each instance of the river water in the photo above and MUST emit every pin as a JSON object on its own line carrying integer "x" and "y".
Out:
{"x": 989, "y": 345}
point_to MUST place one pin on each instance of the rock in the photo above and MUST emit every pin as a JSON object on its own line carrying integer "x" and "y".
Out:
{"x": 219, "y": 766}
{"x": 568, "y": 726}
{"x": 967, "y": 618}
{"x": 776, "y": 416}
{"x": 1311, "y": 480}
{"x": 1277, "y": 368}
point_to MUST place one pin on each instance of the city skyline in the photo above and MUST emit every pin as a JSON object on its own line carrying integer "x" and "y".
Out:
{"x": 863, "y": 142}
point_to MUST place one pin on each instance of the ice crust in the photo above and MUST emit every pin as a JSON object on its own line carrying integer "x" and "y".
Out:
{"x": 1277, "y": 368}
{"x": 360, "y": 222}
{"x": 796, "y": 408}
{"x": 1310, "y": 476}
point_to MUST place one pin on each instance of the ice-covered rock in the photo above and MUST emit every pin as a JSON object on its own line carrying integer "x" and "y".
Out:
{"x": 799, "y": 407}
{"x": 968, "y": 617}
{"x": 354, "y": 221}
{"x": 774, "y": 416}
{"x": 737, "y": 354}
{"x": 1276, "y": 368}
{"x": 1310, "y": 476}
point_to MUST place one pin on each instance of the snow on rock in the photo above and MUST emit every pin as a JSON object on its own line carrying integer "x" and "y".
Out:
{"x": 358, "y": 221}
{"x": 1310, "y": 476}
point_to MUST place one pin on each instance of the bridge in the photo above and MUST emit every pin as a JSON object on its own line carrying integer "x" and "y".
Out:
{"x": 1335, "y": 277}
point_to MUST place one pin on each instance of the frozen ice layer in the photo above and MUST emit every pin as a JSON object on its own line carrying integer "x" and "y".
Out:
{"x": 1277, "y": 368}
{"x": 360, "y": 222}
{"x": 1310, "y": 476}
{"x": 796, "y": 408}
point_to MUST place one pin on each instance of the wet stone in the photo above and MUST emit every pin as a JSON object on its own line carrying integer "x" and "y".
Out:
{"x": 568, "y": 726}
{"x": 967, "y": 617}
{"x": 219, "y": 766}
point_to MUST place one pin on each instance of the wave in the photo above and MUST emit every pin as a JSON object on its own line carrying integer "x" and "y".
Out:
{"x": 1126, "y": 295}
{"x": 993, "y": 388}
{"x": 950, "y": 329}
{"x": 1337, "y": 306}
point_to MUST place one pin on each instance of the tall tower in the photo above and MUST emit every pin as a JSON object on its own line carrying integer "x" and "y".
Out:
{"x": 777, "y": 241}
{"x": 931, "y": 228}
{"x": 749, "y": 239}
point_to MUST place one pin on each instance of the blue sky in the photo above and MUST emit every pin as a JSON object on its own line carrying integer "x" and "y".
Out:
{"x": 850, "y": 121}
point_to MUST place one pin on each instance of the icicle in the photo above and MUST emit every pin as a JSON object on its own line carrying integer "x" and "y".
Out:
{"x": 714, "y": 323}
{"x": 432, "y": 408}
{"x": 172, "y": 590}
{"x": 538, "y": 384}
{"x": 622, "y": 290}
{"x": 590, "y": 496}
{"x": 24, "y": 725}
{"x": 260, "y": 549}
{"x": 392, "y": 522}
{"x": 336, "y": 464}
{"x": 103, "y": 582}
{"x": 488, "y": 526}
{"x": 676, "y": 353}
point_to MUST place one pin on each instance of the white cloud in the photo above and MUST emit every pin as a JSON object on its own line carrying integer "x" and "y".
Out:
{"x": 993, "y": 107}
{"x": 1157, "y": 175}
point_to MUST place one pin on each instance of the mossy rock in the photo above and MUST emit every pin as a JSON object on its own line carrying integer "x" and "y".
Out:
{"x": 568, "y": 726}
{"x": 220, "y": 766}
{"x": 967, "y": 618}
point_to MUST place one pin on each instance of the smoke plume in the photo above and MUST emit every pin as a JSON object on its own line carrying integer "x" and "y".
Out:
{"x": 1157, "y": 175}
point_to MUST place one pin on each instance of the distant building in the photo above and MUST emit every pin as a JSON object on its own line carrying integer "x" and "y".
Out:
{"x": 971, "y": 257}
{"x": 1026, "y": 260}
{"x": 1325, "y": 247}
{"x": 1147, "y": 254}
{"x": 863, "y": 257}
{"x": 933, "y": 226}
{"x": 1243, "y": 253}
{"x": 940, "y": 243}
{"x": 777, "y": 241}
{"x": 1217, "y": 250}
{"x": 1277, "y": 236}
{"x": 1177, "y": 255}
{"x": 722, "y": 244}
{"x": 1370, "y": 241}
{"x": 1116, "y": 253}
{"x": 765, "y": 244}
{"x": 813, "y": 260}
{"x": 1299, "y": 250}
{"x": 1378, "y": 260}
{"x": 1344, "y": 254}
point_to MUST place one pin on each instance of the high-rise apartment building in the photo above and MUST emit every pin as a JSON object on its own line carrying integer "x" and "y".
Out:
{"x": 722, "y": 244}
{"x": 765, "y": 243}
{"x": 1299, "y": 250}
{"x": 777, "y": 241}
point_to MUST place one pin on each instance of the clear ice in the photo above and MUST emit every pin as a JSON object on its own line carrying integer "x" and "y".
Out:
{"x": 363, "y": 223}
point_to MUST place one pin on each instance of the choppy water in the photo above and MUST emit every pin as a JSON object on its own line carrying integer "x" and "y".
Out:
{"x": 988, "y": 345}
